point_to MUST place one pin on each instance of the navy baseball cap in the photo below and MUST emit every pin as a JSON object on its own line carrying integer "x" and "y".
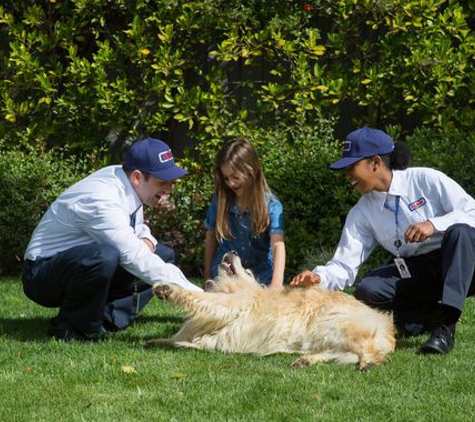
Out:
{"x": 363, "y": 143}
{"x": 155, "y": 157}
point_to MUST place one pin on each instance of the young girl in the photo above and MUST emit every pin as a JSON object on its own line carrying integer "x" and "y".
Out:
{"x": 244, "y": 216}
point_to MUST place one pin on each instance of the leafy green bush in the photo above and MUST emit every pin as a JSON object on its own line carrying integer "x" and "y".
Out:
{"x": 315, "y": 199}
{"x": 30, "y": 179}
{"x": 402, "y": 60}
{"x": 75, "y": 71}
{"x": 78, "y": 70}
{"x": 451, "y": 152}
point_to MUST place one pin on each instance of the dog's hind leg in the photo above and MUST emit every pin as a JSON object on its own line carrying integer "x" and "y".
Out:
{"x": 313, "y": 358}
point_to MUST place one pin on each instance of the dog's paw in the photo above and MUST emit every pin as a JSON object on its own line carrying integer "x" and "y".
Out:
{"x": 365, "y": 366}
{"x": 300, "y": 363}
{"x": 162, "y": 291}
{"x": 209, "y": 285}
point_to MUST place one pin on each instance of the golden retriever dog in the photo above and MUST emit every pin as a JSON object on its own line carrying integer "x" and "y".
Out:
{"x": 238, "y": 315}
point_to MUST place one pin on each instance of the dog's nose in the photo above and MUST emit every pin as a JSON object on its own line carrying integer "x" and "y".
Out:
{"x": 234, "y": 253}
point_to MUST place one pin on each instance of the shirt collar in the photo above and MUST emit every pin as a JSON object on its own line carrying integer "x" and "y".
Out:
{"x": 396, "y": 188}
{"x": 397, "y": 184}
{"x": 235, "y": 209}
{"x": 132, "y": 197}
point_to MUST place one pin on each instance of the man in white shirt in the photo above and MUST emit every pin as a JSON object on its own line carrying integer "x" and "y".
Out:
{"x": 93, "y": 256}
{"x": 424, "y": 219}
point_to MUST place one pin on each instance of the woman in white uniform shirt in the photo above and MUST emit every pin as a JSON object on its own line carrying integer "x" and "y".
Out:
{"x": 424, "y": 219}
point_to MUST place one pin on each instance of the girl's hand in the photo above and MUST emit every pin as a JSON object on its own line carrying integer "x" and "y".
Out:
{"x": 305, "y": 278}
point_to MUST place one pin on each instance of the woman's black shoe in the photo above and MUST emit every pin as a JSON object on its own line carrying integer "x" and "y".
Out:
{"x": 440, "y": 342}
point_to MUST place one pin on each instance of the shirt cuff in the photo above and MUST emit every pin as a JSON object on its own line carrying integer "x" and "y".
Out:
{"x": 152, "y": 240}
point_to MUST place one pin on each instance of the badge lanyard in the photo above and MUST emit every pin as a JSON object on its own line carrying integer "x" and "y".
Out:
{"x": 400, "y": 262}
{"x": 397, "y": 241}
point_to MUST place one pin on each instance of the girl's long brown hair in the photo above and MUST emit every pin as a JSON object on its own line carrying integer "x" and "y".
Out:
{"x": 243, "y": 159}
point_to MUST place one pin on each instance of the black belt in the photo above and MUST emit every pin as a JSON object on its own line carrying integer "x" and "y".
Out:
{"x": 28, "y": 264}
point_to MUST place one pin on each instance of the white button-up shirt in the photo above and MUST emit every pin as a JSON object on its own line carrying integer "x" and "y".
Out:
{"x": 425, "y": 194}
{"x": 98, "y": 209}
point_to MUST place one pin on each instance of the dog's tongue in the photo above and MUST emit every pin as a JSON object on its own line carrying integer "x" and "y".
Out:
{"x": 229, "y": 268}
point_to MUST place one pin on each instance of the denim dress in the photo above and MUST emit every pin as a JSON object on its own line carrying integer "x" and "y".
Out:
{"x": 255, "y": 252}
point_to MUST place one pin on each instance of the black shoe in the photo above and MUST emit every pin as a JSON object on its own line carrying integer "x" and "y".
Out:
{"x": 102, "y": 334}
{"x": 62, "y": 330}
{"x": 440, "y": 342}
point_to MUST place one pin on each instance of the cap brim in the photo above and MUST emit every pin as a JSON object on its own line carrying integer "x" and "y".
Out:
{"x": 170, "y": 174}
{"x": 345, "y": 162}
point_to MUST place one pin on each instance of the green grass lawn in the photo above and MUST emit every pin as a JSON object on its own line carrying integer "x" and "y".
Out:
{"x": 116, "y": 380}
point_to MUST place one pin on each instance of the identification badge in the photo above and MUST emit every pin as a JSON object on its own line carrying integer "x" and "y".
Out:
{"x": 402, "y": 268}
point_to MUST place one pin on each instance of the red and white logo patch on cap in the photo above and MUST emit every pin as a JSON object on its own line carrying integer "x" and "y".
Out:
{"x": 346, "y": 146}
{"x": 165, "y": 156}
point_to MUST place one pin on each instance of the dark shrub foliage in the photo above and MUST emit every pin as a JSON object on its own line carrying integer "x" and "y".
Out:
{"x": 30, "y": 179}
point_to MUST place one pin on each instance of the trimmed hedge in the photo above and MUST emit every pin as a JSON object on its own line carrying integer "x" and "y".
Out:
{"x": 76, "y": 71}
{"x": 30, "y": 179}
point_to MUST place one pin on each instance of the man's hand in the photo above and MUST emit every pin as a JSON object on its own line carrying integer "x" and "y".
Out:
{"x": 305, "y": 278}
{"x": 149, "y": 244}
{"x": 418, "y": 232}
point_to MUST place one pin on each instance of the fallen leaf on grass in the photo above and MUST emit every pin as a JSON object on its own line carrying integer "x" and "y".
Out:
{"x": 126, "y": 369}
{"x": 178, "y": 376}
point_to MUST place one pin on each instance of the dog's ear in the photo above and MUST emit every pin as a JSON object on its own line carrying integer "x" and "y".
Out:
{"x": 209, "y": 285}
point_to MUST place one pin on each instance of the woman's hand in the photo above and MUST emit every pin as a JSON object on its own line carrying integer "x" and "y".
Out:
{"x": 305, "y": 278}
{"x": 418, "y": 232}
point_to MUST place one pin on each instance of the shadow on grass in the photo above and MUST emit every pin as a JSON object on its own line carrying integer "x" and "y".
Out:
{"x": 34, "y": 329}
{"x": 25, "y": 329}
{"x": 162, "y": 327}
{"x": 144, "y": 319}
{"x": 410, "y": 342}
